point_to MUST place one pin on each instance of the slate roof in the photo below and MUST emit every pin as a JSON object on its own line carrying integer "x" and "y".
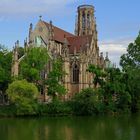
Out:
{"x": 59, "y": 34}
{"x": 78, "y": 42}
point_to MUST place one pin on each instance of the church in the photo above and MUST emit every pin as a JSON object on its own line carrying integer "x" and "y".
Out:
{"x": 76, "y": 50}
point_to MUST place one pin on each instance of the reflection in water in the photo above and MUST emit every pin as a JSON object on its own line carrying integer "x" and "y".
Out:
{"x": 71, "y": 128}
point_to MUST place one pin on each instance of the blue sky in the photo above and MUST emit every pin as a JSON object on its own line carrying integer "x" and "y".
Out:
{"x": 118, "y": 21}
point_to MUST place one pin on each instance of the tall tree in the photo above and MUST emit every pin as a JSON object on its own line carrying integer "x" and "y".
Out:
{"x": 131, "y": 59}
{"x": 33, "y": 63}
{"x": 98, "y": 75}
{"x": 55, "y": 87}
{"x": 130, "y": 63}
{"x": 5, "y": 69}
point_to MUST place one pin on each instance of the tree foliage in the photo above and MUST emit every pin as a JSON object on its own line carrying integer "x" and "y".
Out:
{"x": 54, "y": 79}
{"x": 33, "y": 63}
{"x": 24, "y": 96}
{"x": 130, "y": 63}
{"x": 85, "y": 102}
{"x": 114, "y": 91}
{"x": 132, "y": 58}
{"x": 98, "y": 73}
{"x": 5, "y": 67}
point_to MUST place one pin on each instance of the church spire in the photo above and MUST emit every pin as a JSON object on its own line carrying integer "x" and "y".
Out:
{"x": 30, "y": 33}
{"x": 15, "y": 64}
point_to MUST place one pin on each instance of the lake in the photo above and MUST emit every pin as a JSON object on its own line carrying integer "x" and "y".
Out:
{"x": 71, "y": 128}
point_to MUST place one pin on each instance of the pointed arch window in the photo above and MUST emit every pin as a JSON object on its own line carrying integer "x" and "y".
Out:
{"x": 75, "y": 73}
{"x": 83, "y": 20}
{"x": 88, "y": 20}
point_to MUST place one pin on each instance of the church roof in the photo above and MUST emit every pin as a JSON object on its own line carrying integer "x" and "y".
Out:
{"x": 59, "y": 34}
{"x": 79, "y": 43}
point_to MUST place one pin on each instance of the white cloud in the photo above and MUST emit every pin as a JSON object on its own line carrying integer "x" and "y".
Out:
{"x": 115, "y": 48}
{"x": 31, "y": 7}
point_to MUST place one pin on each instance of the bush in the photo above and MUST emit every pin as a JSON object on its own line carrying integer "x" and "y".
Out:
{"x": 54, "y": 108}
{"x": 7, "y": 111}
{"x": 24, "y": 96}
{"x": 85, "y": 103}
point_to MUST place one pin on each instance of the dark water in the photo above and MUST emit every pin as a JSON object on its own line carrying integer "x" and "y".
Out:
{"x": 71, "y": 128}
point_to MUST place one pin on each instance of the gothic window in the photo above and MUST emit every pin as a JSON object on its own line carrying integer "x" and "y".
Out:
{"x": 38, "y": 41}
{"x": 75, "y": 73}
{"x": 88, "y": 20}
{"x": 83, "y": 20}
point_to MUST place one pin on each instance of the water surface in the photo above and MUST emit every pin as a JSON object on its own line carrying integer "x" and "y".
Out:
{"x": 71, "y": 128}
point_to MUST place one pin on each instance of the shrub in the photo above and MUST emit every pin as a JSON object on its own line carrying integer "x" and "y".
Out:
{"x": 85, "y": 102}
{"x": 24, "y": 96}
{"x": 54, "y": 108}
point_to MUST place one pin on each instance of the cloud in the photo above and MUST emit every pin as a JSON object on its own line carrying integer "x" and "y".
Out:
{"x": 20, "y": 8}
{"x": 115, "y": 48}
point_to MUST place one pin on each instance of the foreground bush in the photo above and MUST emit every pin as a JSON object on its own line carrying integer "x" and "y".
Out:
{"x": 7, "y": 111}
{"x": 85, "y": 102}
{"x": 24, "y": 96}
{"x": 55, "y": 108}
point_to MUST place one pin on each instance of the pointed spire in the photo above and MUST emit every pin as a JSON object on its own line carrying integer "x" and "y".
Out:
{"x": 30, "y": 32}
{"x": 15, "y": 51}
{"x": 106, "y": 58}
{"x": 31, "y": 27}
{"x": 16, "y": 45}
{"x": 139, "y": 33}
{"x": 25, "y": 44}
{"x": 51, "y": 22}
{"x": 40, "y": 18}
{"x": 101, "y": 54}
{"x": 76, "y": 25}
{"x": 51, "y": 31}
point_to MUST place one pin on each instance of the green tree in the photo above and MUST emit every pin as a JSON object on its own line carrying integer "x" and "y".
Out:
{"x": 131, "y": 60}
{"x": 24, "y": 96}
{"x": 55, "y": 87}
{"x": 5, "y": 69}
{"x": 114, "y": 91}
{"x": 86, "y": 102}
{"x": 98, "y": 73}
{"x": 130, "y": 63}
{"x": 33, "y": 63}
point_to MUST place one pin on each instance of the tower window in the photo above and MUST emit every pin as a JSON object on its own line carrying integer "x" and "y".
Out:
{"x": 88, "y": 20}
{"x": 83, "y": 20}
{"x": 75, "y": 73}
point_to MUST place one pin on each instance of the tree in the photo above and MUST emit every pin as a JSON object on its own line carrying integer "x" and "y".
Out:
{"x": 130, "y": 63}
{"x": 114, "y": 91}
{"x": 85, "y": 102}
{"x": 98, "y": 73}
{"x": 33, "y": 63}
{"x": 24, "y": 96}
{"x": 5, "y": 69}
{"x": 132, "y": 58}
{"x": 54, "y": 79}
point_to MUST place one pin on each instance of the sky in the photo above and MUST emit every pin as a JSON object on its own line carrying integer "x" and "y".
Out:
{"x": 118, "y": 21}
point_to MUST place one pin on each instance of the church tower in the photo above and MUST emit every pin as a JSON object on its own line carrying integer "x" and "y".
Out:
{"x": 85, "y": 24}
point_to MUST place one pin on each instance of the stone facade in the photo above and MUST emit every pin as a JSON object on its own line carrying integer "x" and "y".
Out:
{"x": 77, "y": 51}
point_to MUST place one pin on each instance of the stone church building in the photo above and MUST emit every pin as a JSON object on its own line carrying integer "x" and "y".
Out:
{"x": 76, "y": 50}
